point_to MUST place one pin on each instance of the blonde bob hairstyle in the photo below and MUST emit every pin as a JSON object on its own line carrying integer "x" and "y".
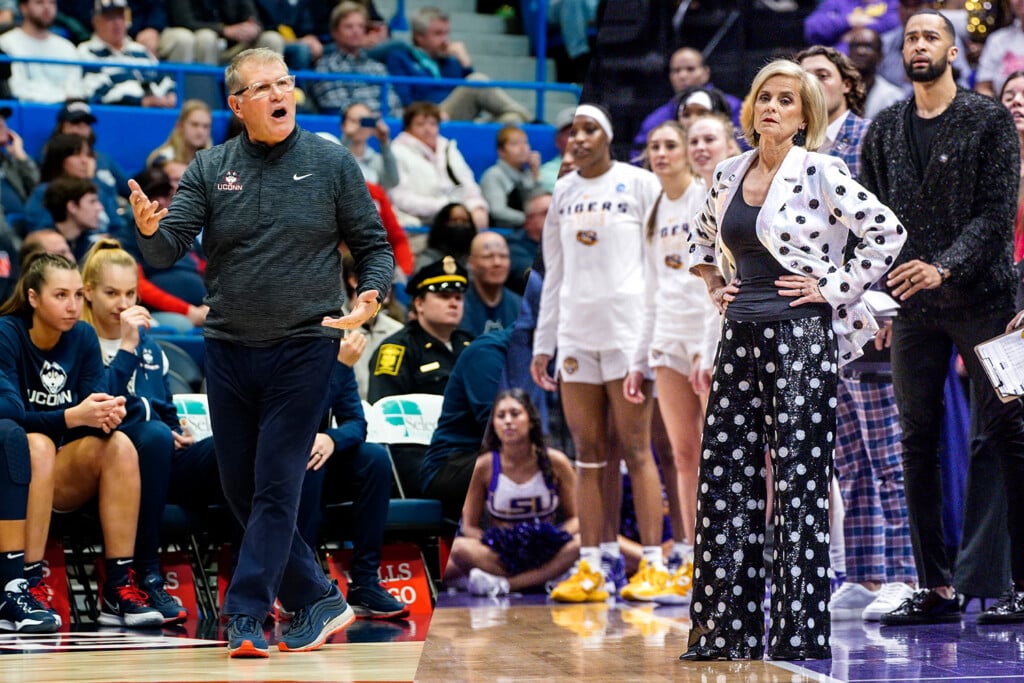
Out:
{"x": 812, "y": 101}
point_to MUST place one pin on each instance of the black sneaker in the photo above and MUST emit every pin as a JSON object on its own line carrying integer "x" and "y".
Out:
{"x": 127, "y": 605}
{"x": 20, "y": 612}
{"x": 925, "y": 607}
{"x": 160, "y": 600}
{"x": 1009, "y": 609}
{"x": 373, "y": 602}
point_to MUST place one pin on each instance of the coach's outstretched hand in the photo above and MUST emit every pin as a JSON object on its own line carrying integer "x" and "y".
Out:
{"x": 147, "y": 212}
{"x": 363, "y": 308}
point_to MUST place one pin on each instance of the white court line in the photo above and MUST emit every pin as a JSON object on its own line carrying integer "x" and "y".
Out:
{"x": 812, "y": 675}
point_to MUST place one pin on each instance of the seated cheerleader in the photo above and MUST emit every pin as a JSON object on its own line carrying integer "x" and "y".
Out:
{"x": 523, "y": 487}
{"x": 76, "y": 451}
{"x": 173, "y": 466}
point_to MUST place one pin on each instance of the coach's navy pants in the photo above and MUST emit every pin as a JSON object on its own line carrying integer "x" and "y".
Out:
{"x": 265, "y": 407}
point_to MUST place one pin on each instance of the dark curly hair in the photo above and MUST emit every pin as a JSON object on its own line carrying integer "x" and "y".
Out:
{"x": 493, "y": 443}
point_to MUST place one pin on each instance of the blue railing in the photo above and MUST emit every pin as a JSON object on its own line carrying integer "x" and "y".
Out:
{"x": 179, "y": 70}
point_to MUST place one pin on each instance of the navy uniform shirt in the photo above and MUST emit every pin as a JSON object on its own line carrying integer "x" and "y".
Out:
{"x": 412, "y": 361}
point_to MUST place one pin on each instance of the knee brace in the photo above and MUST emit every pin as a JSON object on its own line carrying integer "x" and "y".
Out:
{"x": 15, "y": 470}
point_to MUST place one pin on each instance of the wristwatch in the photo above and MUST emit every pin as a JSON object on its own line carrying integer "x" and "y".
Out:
{"x": 941, "y": 270}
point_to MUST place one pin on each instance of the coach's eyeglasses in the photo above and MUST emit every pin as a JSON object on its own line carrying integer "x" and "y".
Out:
{"x": 257, "y": 91}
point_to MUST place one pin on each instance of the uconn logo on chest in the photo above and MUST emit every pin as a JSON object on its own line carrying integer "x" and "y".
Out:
{"x": 53, "y": 378}
{"x": 230, "y": 182}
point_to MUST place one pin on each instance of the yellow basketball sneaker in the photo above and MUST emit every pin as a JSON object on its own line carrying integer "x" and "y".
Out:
{"x": 677, "y": 591}
{"x": 650, "y": 581}
{"x": 584, "y": 585}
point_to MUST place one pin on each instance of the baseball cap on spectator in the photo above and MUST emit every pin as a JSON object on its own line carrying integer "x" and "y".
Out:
{"x": 101, "y": 6}
{"x": 445, "y": 275}
{"x": 76, "y": 111}
{"x": 564, "y": 118}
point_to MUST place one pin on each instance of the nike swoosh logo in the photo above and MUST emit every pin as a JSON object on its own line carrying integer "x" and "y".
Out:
{"x": 14, "y": 556}
{"x": 301, "y": 177}
{"x": 121, "y": 563}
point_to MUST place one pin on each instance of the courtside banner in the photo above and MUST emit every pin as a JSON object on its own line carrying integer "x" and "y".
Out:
{"x": 55, "y": 572}
{"x": 401, "y": 573}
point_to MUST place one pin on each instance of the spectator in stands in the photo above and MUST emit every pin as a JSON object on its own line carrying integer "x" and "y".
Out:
{"x": 33, "y": 82}
{"x": 549, "y": 170}
{"x": 866, "y": 53}
{"x": 18, "y": 173}
{"x": 54, "y": 359}
{"x": 75, "y": 206}
{"x": 1012, "y": 97}
{"x": 149, "y": 29}
{"x": 431, "y": 170}
{"x": 451, "y": 234}
{"x": 419, "y": 358}
{"x": 76, "y": 117}
{"x": 348, "y": 29}
{"x": 211, "y": 21}
{"x": 593, "y": 245}
{"x": 488, "y": 304}
{"x": 174, "y": 295}
{"x": 1002, "y": 55}
{"x": 891, "y": 67}
{"x": 686, "y": 69}
{"x": 572, "y": 18}
{"x": 20, "y": 611}
{"x": 832, "y": 21}
{"x": 48, "y": 241}
{"x": 700, "y": 99}
{"x": 374, "y": 331}
{"x": 524, "y": 244}
{"x": 294, "y": 20}
{"x": 190, "y": 134}
{"x": 378, "y": 167}
{"x": 449, "y": 460}
{"x": 502, "y": 546}
{"x": 173, "y": 466}
{"x": 433, "y": 55}
{"x": 69, "y": 155}
{"x": 344, "y": 467}
{"x": 117, "y": 84}
{"x": 514, "y": 177}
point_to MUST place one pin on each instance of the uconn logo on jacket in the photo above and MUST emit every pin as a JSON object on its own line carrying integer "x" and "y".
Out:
{"x": 54, "y": 379}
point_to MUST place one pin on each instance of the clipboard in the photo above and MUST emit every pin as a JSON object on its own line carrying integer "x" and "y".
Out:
{"x": 1003, "y": 360}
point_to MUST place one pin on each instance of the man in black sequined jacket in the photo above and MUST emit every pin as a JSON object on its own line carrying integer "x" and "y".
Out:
{"x": 947, "y": 163}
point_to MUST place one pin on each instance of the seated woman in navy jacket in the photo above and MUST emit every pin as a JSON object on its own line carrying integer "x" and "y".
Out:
{"x": 171, "y": 463}
{"x": 71, "y": 420}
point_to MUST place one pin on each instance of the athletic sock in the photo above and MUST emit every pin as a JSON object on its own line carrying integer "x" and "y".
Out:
{"x": 652, "y": 553}
{"x": 34, "y": 570}
{"x": 611, "y": 549}
{"x": 592, "y": 556}
{"x": 12, "y": 566}
{"x": 117, "y": 570}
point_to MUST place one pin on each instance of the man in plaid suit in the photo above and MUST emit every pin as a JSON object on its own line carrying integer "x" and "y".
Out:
{"x": 880, "y": 566}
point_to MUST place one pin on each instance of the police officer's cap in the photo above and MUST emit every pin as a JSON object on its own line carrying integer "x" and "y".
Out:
{"x": 445, "y": 275}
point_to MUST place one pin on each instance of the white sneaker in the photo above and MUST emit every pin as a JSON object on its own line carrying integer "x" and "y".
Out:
{"x": 889, "y": 598}
{"x": 489, "y": 585}
{"x": 849, "y": 601}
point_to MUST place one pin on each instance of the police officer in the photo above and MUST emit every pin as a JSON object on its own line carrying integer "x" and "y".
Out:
{"x": 418, "y": 358}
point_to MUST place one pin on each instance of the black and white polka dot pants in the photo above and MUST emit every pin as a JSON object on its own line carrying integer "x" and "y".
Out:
{"x": 774, "y": 388}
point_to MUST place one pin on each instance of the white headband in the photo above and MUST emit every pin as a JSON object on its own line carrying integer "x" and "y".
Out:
{"x": 701, "y": 99}
{"x": 598, "y": 115}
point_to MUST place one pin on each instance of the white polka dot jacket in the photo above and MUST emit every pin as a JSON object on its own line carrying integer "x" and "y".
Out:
{"x": 811, "y": 208}
{"x": 960, "y": 211}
